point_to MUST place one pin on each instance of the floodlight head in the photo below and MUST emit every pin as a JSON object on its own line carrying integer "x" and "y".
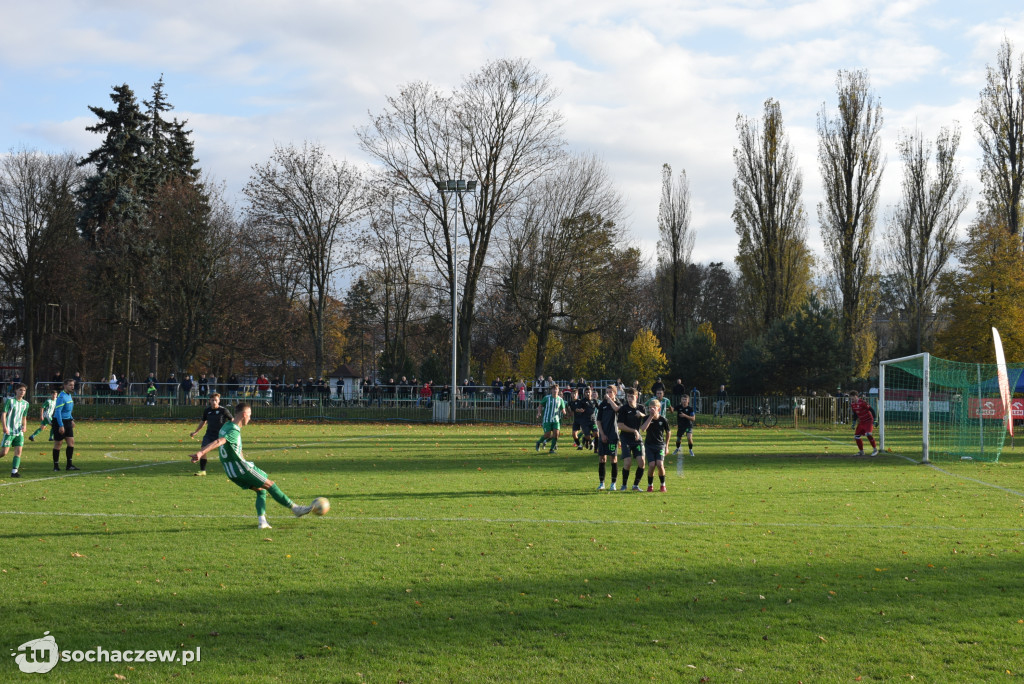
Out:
{"x": 460, "y": 185}
{"x": 440, "y": 186}
{"x": 453, "y": 186}
{"x": 471, "y": 185}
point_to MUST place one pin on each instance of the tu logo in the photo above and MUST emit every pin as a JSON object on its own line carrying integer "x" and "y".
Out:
{"x": 38, "y": 655}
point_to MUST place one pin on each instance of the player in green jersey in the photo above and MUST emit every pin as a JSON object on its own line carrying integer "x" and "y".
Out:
{"x": 553, "y": 407}
{"x": 46, "y": 416}
{"x": 666, "y": 403}
{"x": 244, "y": 473}
{"x": 15, "y": 418}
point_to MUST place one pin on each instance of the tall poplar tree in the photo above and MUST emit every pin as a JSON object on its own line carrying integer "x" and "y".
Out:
{"x": 675, "y": 242}
{"x": 773, "y": 259}
{"x": 999, "y": 123}
{"x": 850, "y": 155}
{"x": 921, "y": 237}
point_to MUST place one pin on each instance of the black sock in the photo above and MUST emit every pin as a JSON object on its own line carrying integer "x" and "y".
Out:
{"x": 625, "y": 477}
{"x": 56, "y": 456}
{"x": 650, "y": 479}
{"x": 601, "y": 471}
{"x": 662, "y": 478}
{"x": 636, "y": 478}
{"x": 69, "y": 453}
{"x": 615, "y": 472}
{"x": 202, "y": 464}
{"x": 576, "y": 441}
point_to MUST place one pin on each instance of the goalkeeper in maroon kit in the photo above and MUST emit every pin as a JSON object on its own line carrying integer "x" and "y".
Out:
{"x": 865, "y": 423}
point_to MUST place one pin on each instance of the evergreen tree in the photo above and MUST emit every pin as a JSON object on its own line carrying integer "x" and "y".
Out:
{"x": 112, "y": 196}
{"x": 171, "y": 153}
{"x": 362, "y": 312}
{"x": 697, "y": 357}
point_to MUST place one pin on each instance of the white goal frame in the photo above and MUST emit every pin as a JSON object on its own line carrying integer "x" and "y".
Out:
{"x": 925, "y": 401}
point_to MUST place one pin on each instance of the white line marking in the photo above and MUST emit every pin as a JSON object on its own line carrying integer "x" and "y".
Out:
{"x": 533, "y": 521}
{"x": 84, "y": 472}
{"x": 110, "y": 454}
{"x": 933, "y": 467}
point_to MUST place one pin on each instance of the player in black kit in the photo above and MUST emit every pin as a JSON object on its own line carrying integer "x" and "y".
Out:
{"x": 608, "y": 436}
{"x": 656, "y": 441}
{"x": 631, "y": 417}
{"x": 214, "y": 416}
{"x": 582, "y": 409}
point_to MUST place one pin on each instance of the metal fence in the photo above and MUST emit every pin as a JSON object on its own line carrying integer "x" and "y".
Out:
{"x": 404, "y": 403}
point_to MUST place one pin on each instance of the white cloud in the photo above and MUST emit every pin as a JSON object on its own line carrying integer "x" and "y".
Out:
{"x": 652, "y": 82}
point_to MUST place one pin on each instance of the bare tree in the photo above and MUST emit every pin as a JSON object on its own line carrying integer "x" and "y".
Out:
{"x": 773, "y": 258}
{"x": 558, "y": 243}
{"x": 309, "y": 199}
{"x": 499, "y": 129}
{"x": 391, "y": 255}
{"x": 850, "y": 155}
{"x": 1000, "y": 129}
{"x": 38, "y": 213}
{"x": 191, "y": 228}
{"x": 675, "y": 244}
{"x": 921, "y": 236}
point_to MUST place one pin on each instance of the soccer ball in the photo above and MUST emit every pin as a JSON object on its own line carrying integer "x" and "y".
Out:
{"x": 321, "y": 505}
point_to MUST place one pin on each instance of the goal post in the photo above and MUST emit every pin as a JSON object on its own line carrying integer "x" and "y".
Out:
{"x": 942, "y": 410}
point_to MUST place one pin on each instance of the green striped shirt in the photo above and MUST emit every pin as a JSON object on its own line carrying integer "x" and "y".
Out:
{"x": 230, "y": 453}
{"x": 666, "y": 405}
{"x": 48, "y": 409}
{"x": 553, "y": 407}
{"x": 14, "y": 415}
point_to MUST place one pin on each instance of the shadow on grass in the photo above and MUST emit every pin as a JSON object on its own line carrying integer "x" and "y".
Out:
{"x": 719, "y": 614}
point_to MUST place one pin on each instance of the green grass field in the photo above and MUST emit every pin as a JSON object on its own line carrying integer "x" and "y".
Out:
{"x": 462, "y": 555}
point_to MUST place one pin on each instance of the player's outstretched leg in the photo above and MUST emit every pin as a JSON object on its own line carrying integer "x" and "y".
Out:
{"x": 283, "y": 499}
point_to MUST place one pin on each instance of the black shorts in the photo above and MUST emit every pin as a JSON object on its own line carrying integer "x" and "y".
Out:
{"x": 69, "y": 430}
{"x": 655, "y": 452}
{"x": 207, "y": 439}
{"x": 632, "y": 449}
{"x": 684, "y": 426}
{"x": 607, "y": 448}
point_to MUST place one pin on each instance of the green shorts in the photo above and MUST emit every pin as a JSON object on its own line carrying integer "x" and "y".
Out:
{"x": 250, "y": 480}
{"x": 12, "y": 440}
{"x": 551, "y": 427}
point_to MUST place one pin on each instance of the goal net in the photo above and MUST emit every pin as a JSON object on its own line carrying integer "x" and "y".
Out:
{"x": 936, "y": 409}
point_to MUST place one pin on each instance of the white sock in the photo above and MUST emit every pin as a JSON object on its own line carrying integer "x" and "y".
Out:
{"x": 262, "y": 519}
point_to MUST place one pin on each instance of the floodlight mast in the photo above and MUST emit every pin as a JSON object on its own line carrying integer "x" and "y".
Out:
{"x": 460, "y": 187}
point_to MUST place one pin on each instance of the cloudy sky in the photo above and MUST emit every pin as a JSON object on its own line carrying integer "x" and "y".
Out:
{"x": 642, "y": 83}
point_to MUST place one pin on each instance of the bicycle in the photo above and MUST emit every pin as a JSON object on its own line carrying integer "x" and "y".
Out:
{"x": 763, "y": 415}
